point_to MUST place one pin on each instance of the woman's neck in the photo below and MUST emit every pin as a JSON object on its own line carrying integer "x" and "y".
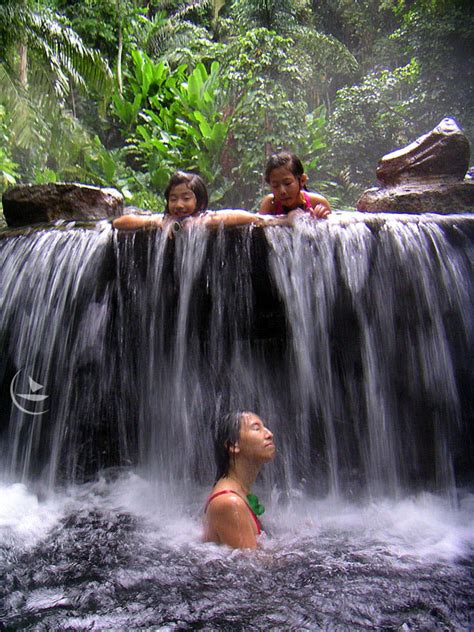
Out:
{"x": 243, "y": 475}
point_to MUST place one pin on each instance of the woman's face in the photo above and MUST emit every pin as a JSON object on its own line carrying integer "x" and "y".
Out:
{"x": 255, "y": 440}
{"x": 286, "y": 187}
{"x": 181, "y": 201}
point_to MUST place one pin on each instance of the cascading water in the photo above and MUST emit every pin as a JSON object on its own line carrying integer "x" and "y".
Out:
{"x": 352, "y": 337}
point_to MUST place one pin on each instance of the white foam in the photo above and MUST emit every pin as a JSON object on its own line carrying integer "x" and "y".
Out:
{"x": 425, "y": 527}
{"x": 23, "y": 518}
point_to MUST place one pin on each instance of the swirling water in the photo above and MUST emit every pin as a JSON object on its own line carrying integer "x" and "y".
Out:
{"x": 123, "y": 553}
{"x": 352, "y": 337}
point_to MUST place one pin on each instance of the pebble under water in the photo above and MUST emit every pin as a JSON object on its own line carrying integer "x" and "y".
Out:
{"x": 123, "y": 553}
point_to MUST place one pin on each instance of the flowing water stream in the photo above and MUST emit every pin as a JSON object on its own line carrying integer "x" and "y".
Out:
{"x": 351, "y": 337}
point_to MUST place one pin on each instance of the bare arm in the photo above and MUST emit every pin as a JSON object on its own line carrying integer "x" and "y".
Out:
{"x": 230, "y": 522}
{"x": 213, "y": 219}
{"x": 136, "y": 222}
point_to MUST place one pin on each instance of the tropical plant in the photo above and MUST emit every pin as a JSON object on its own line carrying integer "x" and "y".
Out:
{"x": 8, "y": 168}
{"x": 115, "y": 28}
{"x": 364, "y": 27}
{"x": 326, "y": 79}
{"x": 40, "y": 48}
{"x": 380, "y": 114}
{"x": 177, "y": 39}
{"x": 331, "y": 64}
{"x": 439, "y": 34}
{"x": 174, "y": 119}
{"x": 281, "y": 16}
{"x": 269, "y": 108}
{"x": 108, "y": 167}
{"x": 44, "y": 62}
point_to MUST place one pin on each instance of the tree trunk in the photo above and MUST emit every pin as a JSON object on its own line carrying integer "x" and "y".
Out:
{"x": 23, "y": 65}
{"x": 120, "y": 49}
{"x": 216, "y": 7}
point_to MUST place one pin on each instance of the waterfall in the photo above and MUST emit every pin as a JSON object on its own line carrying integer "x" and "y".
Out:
{"x": 352, "y": 337}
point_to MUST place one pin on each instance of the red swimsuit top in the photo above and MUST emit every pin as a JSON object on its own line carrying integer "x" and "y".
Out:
{"x": 231, "y": 491}
{"x": 279, "y": 209}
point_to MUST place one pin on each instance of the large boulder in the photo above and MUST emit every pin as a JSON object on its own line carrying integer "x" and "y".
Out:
{"x": 442, "y": 153}
{"x": 32, "y": 204}
{"x": 424, "y": 177}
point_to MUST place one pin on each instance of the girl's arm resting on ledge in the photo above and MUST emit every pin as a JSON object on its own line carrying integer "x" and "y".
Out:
{"x": 213, "y": 219}
{"x": 136, "y": 222}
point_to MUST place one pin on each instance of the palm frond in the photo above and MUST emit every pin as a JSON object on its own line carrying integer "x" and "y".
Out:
{"x": 22, "y": 113}
{"x": 170, "y": 35}
{"x": 57, "y": 45}
{"x": 277, "y": 15}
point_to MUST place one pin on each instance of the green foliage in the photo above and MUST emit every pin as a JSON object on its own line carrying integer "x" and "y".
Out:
{"x": 96, "y": 22}
{"x": 371, "y": 119}
{"x": 217, "y": 85}
{"x": 440, "y": 34}
{"x": 8, "y": 168}
{"x": 363, "y": 27}
{"x": 330, "y": 65}
{"x": 279, "y": 87}
{"x": 339, "y": 188}
{"x": 58, "y": 58}
{"x": 178, "y": 40}
{"x": 273, "y": 15}
{"x": 107, "y": 167}
{"x": 44, "y": 59}
{"x": 174, "y": 119}
{"x": 270, "y": 112}
{"x": 313, "y": 143}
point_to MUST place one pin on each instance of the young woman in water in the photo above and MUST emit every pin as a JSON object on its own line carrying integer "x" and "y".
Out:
{"x": 242, "y": 444}
{"x": 285, "y": 174}
{"x": 186, "y": 201}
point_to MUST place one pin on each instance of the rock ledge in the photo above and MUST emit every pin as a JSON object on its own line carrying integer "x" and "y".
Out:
{"x": 37, "y": 203}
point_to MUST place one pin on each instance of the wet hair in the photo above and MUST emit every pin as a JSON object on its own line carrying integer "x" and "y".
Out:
{"x": 284, "y": 159}
{"x": 226, "y": 435}
{"x": 195, "y": 183}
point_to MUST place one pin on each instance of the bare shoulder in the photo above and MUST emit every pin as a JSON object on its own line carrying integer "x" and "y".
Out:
{"x": 266, "y": 205}
{"x": 225, "y": 505}
{"x": 228, "y": 522}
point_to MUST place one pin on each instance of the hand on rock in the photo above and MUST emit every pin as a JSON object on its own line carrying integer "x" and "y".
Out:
{"x": 320, "y": 211}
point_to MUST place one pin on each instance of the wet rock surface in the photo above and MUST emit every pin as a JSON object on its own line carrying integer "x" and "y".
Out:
{"x": 427, "y": 176}
{"x": 33, "y": 204}
{"x": 442, "y": 153}
{"x": 443, "y": 198}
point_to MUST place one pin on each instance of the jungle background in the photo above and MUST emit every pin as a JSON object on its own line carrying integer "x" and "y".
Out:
{"x": 123, "y": 92}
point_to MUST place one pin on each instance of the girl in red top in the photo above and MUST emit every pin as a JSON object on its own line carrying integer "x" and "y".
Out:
{"x": 242, "y": 445}
{"x": 285, "y": 175}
